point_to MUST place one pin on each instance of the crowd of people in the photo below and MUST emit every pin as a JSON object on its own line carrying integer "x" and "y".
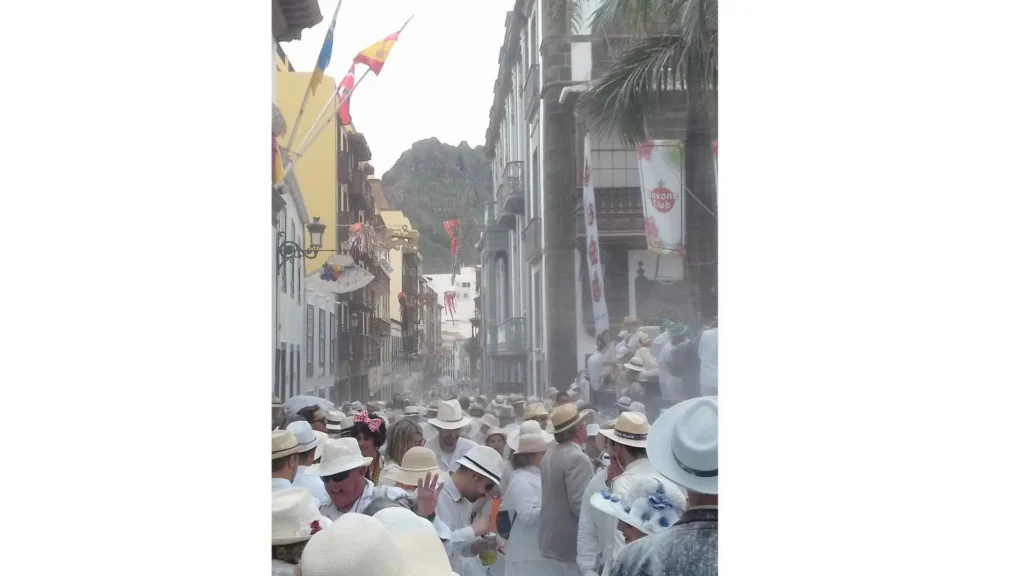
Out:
{"x": 509, "y": 486}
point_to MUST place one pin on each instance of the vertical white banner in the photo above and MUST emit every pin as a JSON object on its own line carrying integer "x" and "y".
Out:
{"x": 595, "y": 274}
{"x": 661, "y": 187}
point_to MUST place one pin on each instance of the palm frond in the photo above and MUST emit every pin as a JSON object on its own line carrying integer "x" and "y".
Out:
{"x": 639, "y": 17}
{"x": 564, "y": 12}
{"x": 623, "y": 99}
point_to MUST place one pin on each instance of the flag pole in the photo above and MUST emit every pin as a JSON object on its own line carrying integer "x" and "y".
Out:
{"x": 309, "y": 88}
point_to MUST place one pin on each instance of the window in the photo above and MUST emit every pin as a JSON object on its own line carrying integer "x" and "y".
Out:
{"x": 534, "y": 191}
{"x": 309, "y": 340}
{"x": 323, "y": 336}
{"x": 465, "y": 284}
{"x": 334, "y": 340}
{"x": 291, "y": 367}
{"x": 291, "y": 265}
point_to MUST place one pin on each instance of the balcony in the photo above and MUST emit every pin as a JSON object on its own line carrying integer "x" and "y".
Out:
{"x": 532, "y": 240}
{"x": 531, "y": 91}
{"x": 359, "y": 194}
{"x": 510, "y": 194}
{"x": 512, "y": 337}
{"x": 620, "y": 216}
{"x": 380, "y": 327}
{"x": 494, "y": 238}
{"x": 345, "y": 167}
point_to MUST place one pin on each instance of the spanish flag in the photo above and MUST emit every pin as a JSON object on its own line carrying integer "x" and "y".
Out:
{"x": 375, "y": 55}
{"x": 278, "y": 169}
{"x": 347, "y": 84}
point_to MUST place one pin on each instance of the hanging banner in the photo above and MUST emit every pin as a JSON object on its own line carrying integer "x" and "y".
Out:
{"x": 595, "y": 274}
{"x": 661, "y": 186}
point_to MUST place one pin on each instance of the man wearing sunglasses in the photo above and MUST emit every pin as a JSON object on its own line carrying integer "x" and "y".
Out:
{"x": 315, "y": 416}
{"x": 478, "y": 472}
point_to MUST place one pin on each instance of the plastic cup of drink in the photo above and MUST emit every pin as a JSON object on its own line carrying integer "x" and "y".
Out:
{"x": 490, "y": 554}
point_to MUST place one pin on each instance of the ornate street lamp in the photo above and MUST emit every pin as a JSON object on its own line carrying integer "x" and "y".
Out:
{"x": 287, "y": 250}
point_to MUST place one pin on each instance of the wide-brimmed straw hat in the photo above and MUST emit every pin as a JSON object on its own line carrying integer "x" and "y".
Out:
{"x": 638, "y": 407}
{"x": 534, "y": 411}
{"x": 490, "y": 420}
{"x": 411, "y": 410}
{"x": 644, "y": 502}
{"x": 484, "y": 460}
{"x": 294, "y": 516}
{"x": 321, "y": 439}
{"x": 505, "y": 411}
{"x": 340, "y": 455}
{"x": 337, "y": 421}
{"x": 304, "y": 436}
{"x": 476, "y": 408}
{"x": 416, "y": 464}
{"x": 282, "y": 443}
{"x": 530, "y": 439}
{"x": 414, "y": 535}
{"x": 683, "y": 444}
{"x": 566, "y": 416}
{"x": 631, "y": 429}
{"x": 360, "y": 544}
{"x": 643, "y": 361}
{"x": 450, "y": 416}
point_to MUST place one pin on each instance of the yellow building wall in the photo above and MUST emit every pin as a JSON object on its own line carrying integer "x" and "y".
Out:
{"x": 395, "y": 219}
{"x": 317, "y": 170}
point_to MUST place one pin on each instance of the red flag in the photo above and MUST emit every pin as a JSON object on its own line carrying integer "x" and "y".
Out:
{"x": 347, "y": 83}
{"x": 452, "y": 228}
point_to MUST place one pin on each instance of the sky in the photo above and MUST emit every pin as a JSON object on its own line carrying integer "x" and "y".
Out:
{"x": 438, "y": 80}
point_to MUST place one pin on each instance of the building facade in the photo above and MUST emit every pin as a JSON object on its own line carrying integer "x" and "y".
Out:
{"x": 465, "y": 290}
{"x": 536, "y": 318}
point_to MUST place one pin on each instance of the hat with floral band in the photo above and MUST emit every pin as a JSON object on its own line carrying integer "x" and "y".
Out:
{"x": 294, "y": 516}
{"x": 644, "y": 502}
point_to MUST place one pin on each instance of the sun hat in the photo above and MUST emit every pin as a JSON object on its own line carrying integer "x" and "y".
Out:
{"x": 683, "y": 444}
{"x": 355, "y": 544}
{"x": 638, "y": 407}
{"x": 418, "y": 540}
{"x": 678, "y": 330}
{"x": 534, "y": 411}
{"x": 303, "y": 433}
{"x": 643, "y": 502}
{"x": 625, "y": 402}
{"x": 411, "y": 410}
{"x": 417, "y": 462}
{"x": 506, "y": 411}
{"x": 282, "y": 443}
{"x": 484, "y": 460}
{"x": 335, "y": 420}
{"x": 496, "y": 430}
{"x": 566, "y": 416}
{"x": 490, "y": 420}
{"x": 518, "y": 400}
{"x": 294, "y": 516}
{"x": 340, "y": 455}
{"x": 321, "y": 439}
{"x": 620, "y": 354}
{"x": 433, "y": 408}
{"x": 476, "y": 408}
{"x": 357, "y": 406}
{"x": 552, "y": 391}
{"x": 631, "y": 429}
{"x": 530, "y": 439}
{"x": 450, "y": 416}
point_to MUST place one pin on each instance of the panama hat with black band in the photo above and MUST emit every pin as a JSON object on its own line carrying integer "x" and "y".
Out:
{"x": 485, "y": 461}
{"x": 566, "y": 416}
{"x": 631, "y": 429}
{"x": 683, "y": 444}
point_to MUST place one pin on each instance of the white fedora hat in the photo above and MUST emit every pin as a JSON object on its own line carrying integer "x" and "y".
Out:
{"x": 643, "y": 502}
{"x": 282, "y": 443}
{"x": 354, "y": 544}
{"x": 530, "y": 439}
{"x": 321, "y": 439}
{"x": 638, "y": 407}
{"x": 534, "y": 410}
{"x": 422, "y": 551}
{"x": 683, "y": 444}
{"x": 491, "y": 420}
{"x": 631, "y": 429}
{"x": 411, "y": 410}
{"x": 417, "y": 462}
{"x": 303, "y": 435}
{"x": 337, "y": 421}
{"x": 624, "y": 402}
{"x": 294, "y": 516}
{"x": 484, "y": 460}
{"x": 566, "y": 416}
{"x": 340, "y": 455}
{"x": 450, "y": 416}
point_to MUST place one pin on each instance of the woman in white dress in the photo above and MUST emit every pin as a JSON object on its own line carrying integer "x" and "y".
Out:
{"x": 523, "y": 502}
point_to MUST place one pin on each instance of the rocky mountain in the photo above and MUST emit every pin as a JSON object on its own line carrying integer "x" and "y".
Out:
{"x": 430, "y": 183}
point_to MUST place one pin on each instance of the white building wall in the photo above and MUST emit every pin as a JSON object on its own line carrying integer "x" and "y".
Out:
{"x": 290, "y": 302}
{"x": 322, "y": 379}
{"x": 465, "y": 287}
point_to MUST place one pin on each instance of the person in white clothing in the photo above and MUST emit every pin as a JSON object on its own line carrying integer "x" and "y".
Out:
{"x": 646, "y": 505}
{"x": 310, "y": 445}
{"x": 449, "y": 445}
{"x": 708, "y": 352}
{"x": 284, "y": 460}
{"x": 595, "y": 541}
{"x": 522, "y": 503}
{"x": 293, "y": 520}
{"x": 477, "y": 473}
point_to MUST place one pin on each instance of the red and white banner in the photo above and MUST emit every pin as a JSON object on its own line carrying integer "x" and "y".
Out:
{"x": 661, "y": 187}
{"x": 595, "y": 272}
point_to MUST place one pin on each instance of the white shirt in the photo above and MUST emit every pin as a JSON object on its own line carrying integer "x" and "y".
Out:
{"x": 595, "y": 541}
{"x": 449, "y": 462}
{"x": 595, "y": 369}
{"x": 428, "y": 431}
{"x": 708, "y": 353}
{"x": 277, "y": 484}
{"x": 312, "y": 483}
{"x": 522, "y": 501}
{"x": 671, "y": 386}
{"x": 456, "y": 512}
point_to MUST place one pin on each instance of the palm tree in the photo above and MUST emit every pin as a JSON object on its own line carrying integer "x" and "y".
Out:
{"x": 673, "y": 44}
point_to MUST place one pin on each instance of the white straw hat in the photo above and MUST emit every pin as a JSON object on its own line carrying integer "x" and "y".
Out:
{"x": 566, "y": 416}
{"x": 484, "y": 460}
{"x": 683, "y": 444}
{"x": 354, "y": 544}
{"x": 417, "y": 462}
{"x": 321, "y": 439}
{"x": 282, "y": 443}
{"x": 530, "y": 439}
{"x": 625, "y": 402}
{"x": 340, "y": 455}
{"x": 491, "y": 420}
{"x": 450, "y": 416}
{"x": 303, "y": 435}
{"x": 534, "y": 410}
{"x": 631, "y": 429}
{"x": 638, "y": 407}
{"x": 643, "y": 502}
{"x": 294, "y": 516}
{"x": 418, "y": 540}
